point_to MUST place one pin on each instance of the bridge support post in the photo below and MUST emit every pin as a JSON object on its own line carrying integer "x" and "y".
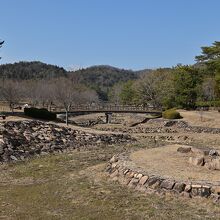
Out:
{"x": 108, "y": 116}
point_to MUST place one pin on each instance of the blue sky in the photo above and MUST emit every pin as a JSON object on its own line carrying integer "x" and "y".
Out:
{"x": 132, "y": 34}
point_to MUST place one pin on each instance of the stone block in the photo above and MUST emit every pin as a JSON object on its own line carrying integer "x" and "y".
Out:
{"x": 151, "y": 180}
{"x": 184, "y": 149}
{"x": 133, "y": 183}
{"x": 167, "y": 184}
{"x": 188, "y": 188}
{"x": 143, "y": 180}
{"x": 179, "y": 187}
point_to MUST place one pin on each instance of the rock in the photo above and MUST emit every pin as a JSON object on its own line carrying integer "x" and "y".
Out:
{"x": 1, "y": 147}
{"x": 114, "y": 174}
{"x": 215, "y": 198}
{"x": 133, "y": 183}
{"x": 167, "y": 184}
{"x": 114, "y": 165}
{"x": 213, "y": 153}
{"x": 143, "y": 180}
{"x": 126, "y": 171}
{"x": 13, "y": 158}
{"x": 130, "y": 174}
{"x": 152, "y": 180}
{"x": 32, "y": 138}
{"x": 184, "y": 149}
{"x": 197, "y": 161}
{"x": 188, "y": 188}
{"x": 156, "y": 185}
{"x": 179, "y": 187}
{"x": 198, "y": 190}
{"x": 113, "y": 159}
{"x": 139, "y": 176}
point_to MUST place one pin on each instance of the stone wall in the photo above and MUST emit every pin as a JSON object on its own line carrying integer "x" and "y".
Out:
{"x": 23, "y": 139}
{"x": 166, "y": 126}
{"x": 120, "y": 168}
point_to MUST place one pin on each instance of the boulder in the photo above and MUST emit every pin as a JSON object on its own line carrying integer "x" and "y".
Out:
{"x": 143, "y": 180}
{"x": 179, "y": 187}
{"x": 167, "y": 184}
{"x": 184, "y": 149}
{"x": 198, "y": 190}
{"x": 152, "y": 180}
{"x": 213, "y": 153}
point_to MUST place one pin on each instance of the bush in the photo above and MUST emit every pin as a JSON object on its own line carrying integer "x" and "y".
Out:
{"x": 40, "y": 113}
{"x": 171, "y": 114}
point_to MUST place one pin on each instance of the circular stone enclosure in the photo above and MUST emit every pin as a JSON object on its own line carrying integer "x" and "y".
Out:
{"x": 166, "y": 170}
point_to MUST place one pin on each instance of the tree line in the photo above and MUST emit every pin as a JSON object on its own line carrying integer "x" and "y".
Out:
{"x": 46, "y": 93}
{"x": 100, "y": 78}
{"x": 183, "y": 86}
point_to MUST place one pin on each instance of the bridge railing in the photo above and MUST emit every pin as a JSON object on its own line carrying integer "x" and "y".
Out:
{"x": 110, "y": 107}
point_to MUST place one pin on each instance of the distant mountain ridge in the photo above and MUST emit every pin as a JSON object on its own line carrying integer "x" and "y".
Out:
{"x": 103, "y": 75}
{"x": 31, "y": 70}
{"x": 100, "y": 77}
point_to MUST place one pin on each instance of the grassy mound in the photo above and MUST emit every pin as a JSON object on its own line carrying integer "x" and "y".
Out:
{"x": 171, "y": 114}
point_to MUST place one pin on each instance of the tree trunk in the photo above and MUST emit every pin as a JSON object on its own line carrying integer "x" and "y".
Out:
{"x": 11, "y": 108}
{"x": 67, "y": 118}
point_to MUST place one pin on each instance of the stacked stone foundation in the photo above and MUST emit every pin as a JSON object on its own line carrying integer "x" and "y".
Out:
{"x": 120, "y": 168}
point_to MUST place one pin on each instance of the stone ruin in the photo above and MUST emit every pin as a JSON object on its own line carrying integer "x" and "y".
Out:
{"x": 20, "y": 140}
{"x": 209, "y": 158}
{"x": 123, "y": 170}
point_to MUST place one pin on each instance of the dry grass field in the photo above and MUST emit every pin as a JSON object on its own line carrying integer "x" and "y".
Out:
{"x": 74, "y": 185}
{"x": 202, "y": 118}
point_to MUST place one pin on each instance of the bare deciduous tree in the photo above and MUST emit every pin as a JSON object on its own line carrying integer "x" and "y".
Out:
{"x": 154, "y": 88}
{"x": 10, "y": 91}
{"x": 64, "y": 94}
{"x": 115, "y": 92}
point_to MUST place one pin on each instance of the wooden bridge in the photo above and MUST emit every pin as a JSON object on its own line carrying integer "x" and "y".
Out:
{"x": 109, "y": 108}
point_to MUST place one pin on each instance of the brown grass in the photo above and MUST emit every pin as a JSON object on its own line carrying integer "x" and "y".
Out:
{"x": 202, "y": 118}
{"x": 75, "y": 186}
{"x": 166, "y": 161}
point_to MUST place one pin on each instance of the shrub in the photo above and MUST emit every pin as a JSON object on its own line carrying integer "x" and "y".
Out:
{"x": 171, "y": 114}
{"x": 40, "y": 113}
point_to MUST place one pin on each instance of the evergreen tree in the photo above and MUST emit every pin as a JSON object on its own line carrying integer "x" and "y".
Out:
{"x": 1, "y": 43}
{"x": 186, "y": 79}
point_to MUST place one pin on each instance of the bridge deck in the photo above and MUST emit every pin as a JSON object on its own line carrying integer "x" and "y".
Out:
{"x": 109, "y": 108}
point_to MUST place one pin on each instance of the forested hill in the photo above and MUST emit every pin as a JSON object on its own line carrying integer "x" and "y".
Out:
{"x": 99, "y": 76}
{"x": 103, "y": 76}
{"x": 30, "y": 70}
